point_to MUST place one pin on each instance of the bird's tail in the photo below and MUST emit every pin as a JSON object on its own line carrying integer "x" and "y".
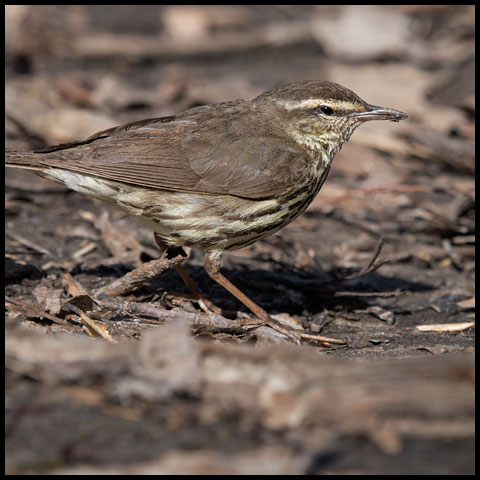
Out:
{"x": 27, "y": 160}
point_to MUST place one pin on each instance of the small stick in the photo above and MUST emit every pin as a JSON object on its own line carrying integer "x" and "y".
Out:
{"x": 162, "y": 314}
{"x": 29, "y": 244}
{"x": 395, "y": 293}
{"x": 140, "y": 275}
{"x": 371, "y": 267}
{"x": 86, "y": 320}
{"x": 320, "y": 338}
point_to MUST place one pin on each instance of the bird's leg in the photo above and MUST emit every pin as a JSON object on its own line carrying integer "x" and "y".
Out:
{"x": 205, "y": 304}
{"x": 213, "y": 265}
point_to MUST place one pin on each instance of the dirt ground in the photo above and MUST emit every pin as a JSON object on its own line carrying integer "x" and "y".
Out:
{"x": 378, "y": 273}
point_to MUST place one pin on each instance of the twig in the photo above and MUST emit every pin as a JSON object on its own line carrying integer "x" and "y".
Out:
{"x": 363, "y": 192}
{"x": 84, "y": 250}
{"x": 162, "y": 314}
{"x": 320, "y": 338}
{"x": 395, "y": 293}
{"x": 211, "y": 321}
{"x": 29, "y": 244}
{"x": 91, "y": 324}
{"x": 371, "y": 267}
{"x": 140, "y": 275}
{"x": 375, "y": 256}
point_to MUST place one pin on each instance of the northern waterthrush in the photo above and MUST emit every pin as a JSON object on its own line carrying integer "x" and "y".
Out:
{"x": 219, "y": 176}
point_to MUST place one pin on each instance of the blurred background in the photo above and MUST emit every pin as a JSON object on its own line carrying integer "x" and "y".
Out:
{"x": 73, "y": 70}
{"x": 80, "y": 68}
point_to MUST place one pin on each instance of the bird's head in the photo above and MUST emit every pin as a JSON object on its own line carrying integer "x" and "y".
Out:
{"x": 320, "y": 114}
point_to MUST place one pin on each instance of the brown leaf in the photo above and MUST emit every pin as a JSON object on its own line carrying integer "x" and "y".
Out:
{"x": 48, "y": 298}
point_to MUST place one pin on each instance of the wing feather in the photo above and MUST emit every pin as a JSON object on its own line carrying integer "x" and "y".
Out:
{"x": 197, "y": 151}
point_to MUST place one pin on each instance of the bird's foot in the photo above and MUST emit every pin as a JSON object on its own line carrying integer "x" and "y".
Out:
{"x": 291, "y": 333}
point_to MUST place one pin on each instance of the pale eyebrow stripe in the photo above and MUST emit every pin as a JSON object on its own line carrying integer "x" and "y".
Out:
{"x": 313, "y": 103}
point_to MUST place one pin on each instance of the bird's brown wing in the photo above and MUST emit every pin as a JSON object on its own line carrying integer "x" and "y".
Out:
{"x": 188, "y": 154}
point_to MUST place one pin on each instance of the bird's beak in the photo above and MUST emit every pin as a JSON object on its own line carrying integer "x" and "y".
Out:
{"x": 373, "y": 112}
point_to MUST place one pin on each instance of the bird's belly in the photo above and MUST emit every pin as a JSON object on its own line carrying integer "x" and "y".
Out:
{"x": 197, "y": 220}
{"x": 221, "y": 221}
{"x": 211, "y": 221}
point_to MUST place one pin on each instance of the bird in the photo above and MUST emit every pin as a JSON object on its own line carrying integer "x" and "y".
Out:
{"x": 215, "y": 177}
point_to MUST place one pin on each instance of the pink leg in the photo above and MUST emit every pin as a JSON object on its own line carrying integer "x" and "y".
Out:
{"x": 198, "y": 297}
{"x": 212, "y": 266}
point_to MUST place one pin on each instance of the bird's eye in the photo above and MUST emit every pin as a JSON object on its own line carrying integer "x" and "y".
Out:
{"x": 326, "y": 110}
